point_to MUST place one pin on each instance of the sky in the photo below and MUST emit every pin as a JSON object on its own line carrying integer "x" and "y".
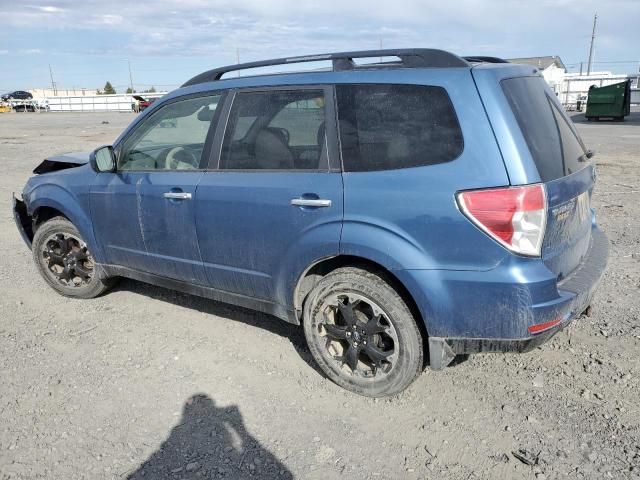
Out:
{"x": 166, "y": 42}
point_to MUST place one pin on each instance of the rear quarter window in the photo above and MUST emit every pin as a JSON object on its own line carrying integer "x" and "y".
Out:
{"x": 553, "y": 142}
{"x": 385, "y": 127}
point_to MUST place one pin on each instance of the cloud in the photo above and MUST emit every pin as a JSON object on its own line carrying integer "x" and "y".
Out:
{"x": 47, "y": 8}
{"x": 259, "y": 28}
{"x": 108, "y": 19}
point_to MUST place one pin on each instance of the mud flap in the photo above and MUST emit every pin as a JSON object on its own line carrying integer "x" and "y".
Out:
{"x": 440, "y": 353}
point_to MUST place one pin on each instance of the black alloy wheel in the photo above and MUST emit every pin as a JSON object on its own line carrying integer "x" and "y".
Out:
{"x": 68, "y": 260}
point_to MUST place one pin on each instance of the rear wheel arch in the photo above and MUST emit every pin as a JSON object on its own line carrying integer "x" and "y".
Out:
{"x": 321, "y": 268}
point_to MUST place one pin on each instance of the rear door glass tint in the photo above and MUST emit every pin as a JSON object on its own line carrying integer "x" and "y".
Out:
{"x": 553, "y": 143}
{"x": 385, "y": 127}
{"x": 276, "y": 130}
{"x": 573, "y": 151}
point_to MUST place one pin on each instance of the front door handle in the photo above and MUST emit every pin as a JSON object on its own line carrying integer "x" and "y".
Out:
{"x": 310, "y": 202}
{"x": 177, "y": 195}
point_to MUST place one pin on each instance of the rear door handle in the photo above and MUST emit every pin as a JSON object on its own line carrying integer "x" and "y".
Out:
{"x": 177, "y": 195}
{"x": 310, "y": 202}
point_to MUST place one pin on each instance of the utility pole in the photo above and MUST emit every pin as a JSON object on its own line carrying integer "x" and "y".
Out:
{"x": 238, "y": 58}
{"x": 593, "y": 38}
{"x": 130, "y": 76}
{"x": 53, "y": 84}
{"x": 581, "y": 68}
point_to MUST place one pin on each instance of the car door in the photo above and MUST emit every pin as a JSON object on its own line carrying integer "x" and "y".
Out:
{"x": 274, "y": 204}
{"x": 144, "y": 214}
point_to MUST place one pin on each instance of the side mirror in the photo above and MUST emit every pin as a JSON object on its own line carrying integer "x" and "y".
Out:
{"x": 103, "y": 159}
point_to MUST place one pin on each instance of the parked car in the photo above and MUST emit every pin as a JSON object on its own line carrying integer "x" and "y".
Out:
{"x": 17, "y": 95}
{"x": 25, "y": 106}
{"x": 430, "y": 206}
{"x": 141, "y": 103}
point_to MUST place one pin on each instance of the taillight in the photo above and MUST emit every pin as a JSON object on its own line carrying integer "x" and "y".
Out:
{"x": 514, "y": 216}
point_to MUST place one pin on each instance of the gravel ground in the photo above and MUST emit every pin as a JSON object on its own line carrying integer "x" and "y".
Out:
{"x": 149, "y": 383}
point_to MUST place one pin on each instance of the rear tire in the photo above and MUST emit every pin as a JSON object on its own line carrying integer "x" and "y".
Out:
{"x": 362, "y": 334}
{"x": 64, "y": 261}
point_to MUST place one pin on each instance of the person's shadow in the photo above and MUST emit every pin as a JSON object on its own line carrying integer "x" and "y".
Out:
{"x": 210, "y": 442}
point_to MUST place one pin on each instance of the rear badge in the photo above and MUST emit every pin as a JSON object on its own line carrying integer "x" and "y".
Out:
{"x": 562, "y": 212}
{"x": 579, "y": 205}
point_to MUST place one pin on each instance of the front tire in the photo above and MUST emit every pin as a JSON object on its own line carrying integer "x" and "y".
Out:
{"x": 362, "y": 334}
{"x": 64, "y": 261}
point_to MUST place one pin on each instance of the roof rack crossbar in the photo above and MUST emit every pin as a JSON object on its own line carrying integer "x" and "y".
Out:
{"x": 411, "y": 58}
{"x": 483, "y": 59}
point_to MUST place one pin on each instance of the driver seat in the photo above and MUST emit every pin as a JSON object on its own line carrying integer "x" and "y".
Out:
{"x": 271, "y": 150}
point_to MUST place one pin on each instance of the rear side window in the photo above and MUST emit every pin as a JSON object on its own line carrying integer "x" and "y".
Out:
{"x": 385, "y": 127}
{"x": 276, "y": 130}
{"x": 552, "y": 140}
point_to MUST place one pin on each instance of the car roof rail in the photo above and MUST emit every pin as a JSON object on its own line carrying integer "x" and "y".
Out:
{"x": 483, "y": 59}
{"x": 410, "y": 58}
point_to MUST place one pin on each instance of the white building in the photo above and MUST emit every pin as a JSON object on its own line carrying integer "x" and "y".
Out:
{"x": 551, "y": 68}
{"x": 569, "y": 87}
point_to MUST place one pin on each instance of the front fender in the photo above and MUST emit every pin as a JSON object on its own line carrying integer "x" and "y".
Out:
{"x": 75, "y": 208}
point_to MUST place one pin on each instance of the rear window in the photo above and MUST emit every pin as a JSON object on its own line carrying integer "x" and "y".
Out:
{"x": 551, "y": 137}
{"x": 385, "y": 127}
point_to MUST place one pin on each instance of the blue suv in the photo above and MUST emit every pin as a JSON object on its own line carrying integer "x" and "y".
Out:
{"x": 420, "y": 206}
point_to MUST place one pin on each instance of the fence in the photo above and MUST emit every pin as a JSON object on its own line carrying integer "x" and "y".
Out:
{"x": 96, "y": 103}
{"x": 573, "y": 87}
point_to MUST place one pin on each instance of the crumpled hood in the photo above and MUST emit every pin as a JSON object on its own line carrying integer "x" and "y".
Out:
{"x": 61, "y": 162}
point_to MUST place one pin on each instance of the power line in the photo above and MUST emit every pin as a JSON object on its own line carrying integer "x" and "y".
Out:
{"x": 130, "y": 76}
{"x": 593, "y": 39}
{"x": 53, "y": 84}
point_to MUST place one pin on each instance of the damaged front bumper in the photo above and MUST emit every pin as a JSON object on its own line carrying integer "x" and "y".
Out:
{"x": 22, "y": 219}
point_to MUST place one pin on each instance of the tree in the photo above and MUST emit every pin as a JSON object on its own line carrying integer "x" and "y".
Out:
{"x": 151, "y": 90}
{"x": 108, "y": 89}
{"x": 130, "y": 90}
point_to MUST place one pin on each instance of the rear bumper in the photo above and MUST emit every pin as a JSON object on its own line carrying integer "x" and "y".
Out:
{"x": 496, "y": 311}
{"x": 22, "y": 219}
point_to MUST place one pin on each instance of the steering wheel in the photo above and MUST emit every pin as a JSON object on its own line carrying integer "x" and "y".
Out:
{"x": 180, "y": 158}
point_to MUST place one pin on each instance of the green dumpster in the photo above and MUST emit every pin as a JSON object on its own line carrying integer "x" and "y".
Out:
{"x": 612, "y": 101}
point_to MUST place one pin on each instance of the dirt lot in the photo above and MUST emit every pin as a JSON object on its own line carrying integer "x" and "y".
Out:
{"x": 148, "y": 383}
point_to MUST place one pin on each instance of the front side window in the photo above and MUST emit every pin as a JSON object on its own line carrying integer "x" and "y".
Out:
{"x": 385, "y": 127}
{"x": 276, "y": 130}
{"x": 172, "y": 138}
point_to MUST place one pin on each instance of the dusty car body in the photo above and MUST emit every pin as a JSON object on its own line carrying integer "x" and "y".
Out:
{"x": 430, "y": 206}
